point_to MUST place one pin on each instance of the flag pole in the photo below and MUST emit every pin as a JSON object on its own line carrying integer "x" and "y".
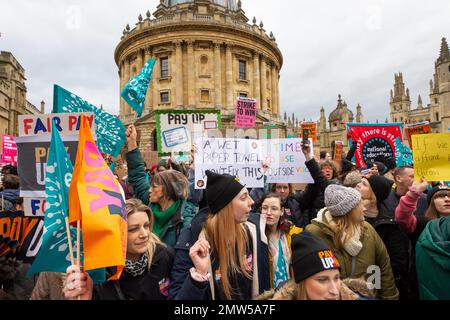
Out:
{"x": 78, "y": 248}
{"x": 69, "y": 239}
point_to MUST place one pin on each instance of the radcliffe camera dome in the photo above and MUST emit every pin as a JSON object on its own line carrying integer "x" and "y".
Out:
{"x": 230, "y": 4}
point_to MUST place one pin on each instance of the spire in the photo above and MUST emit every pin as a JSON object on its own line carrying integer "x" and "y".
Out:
{"x": 444, "y": 48}
{"x": 419, "y": 103}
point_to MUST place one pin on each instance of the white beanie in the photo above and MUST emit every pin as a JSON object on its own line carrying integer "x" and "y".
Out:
{"x": 341, "y": 200}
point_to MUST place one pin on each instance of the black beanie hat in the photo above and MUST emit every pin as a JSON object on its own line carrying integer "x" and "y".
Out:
{"x": 310, "y": 255}
{"x": 346, "y": 166}
{"x": 435, "y": 190}
{"x": 221, "y": 189}
{"x": 381, "y": 187}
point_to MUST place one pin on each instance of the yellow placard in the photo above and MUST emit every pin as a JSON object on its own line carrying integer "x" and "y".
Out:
{"x": 431, "y": 154}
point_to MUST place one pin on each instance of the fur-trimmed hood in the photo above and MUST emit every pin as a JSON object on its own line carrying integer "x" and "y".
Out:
{"x": 351, "y": 289}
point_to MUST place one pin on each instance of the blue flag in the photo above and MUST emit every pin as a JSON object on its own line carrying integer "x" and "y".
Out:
{"x": 136, "y": 89}
{"x": 110, "y": 130}
{"x": 280, "y": 274}
{"x": 54, "y": 253}
{"x": 403, "y": 154}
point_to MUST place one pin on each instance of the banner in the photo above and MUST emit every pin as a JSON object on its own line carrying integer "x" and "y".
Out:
{"x": 374, "y": 140}
{"x": 417, "y": 128}
{"x": 241, "y": 158}
{"x": 41, "y": 125}
{"x": 33, "y": 153}
{"x": 431, "y": 156}
{"x": 338, "y": 150}
{"x": 174, "y": 128}
{"x": 312, "y": 129}
{"x": 136, "y": 89}
{"x": 403, "y": 154}
{"x": 20, "y": 236}
{"x": 110, "y": 131}
{"x": 245, "y": 116}
{"x": 286, "y": 161}
{"x": 9, "y": 149}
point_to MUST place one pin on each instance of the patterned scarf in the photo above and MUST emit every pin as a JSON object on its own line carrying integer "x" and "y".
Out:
{"x": 281, "y": 256}
{"x": 136, "y": 268}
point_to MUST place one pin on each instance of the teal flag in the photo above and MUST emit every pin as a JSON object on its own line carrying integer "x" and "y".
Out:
{"x": 110, "y": 131}
{"x": 136, "y": 89}
{"x": 403, "y": 154}
{"x": 54, "y": 253}
{"x": 280, "y": 274}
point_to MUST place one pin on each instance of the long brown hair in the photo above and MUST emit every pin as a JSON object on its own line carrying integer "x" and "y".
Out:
{"x": 432, "y": 212}
{"x": 345, "y": 228}
{"x": 226, "y": 237}
{"x": 175, "y": 184}
{"x": 135, "y": 205}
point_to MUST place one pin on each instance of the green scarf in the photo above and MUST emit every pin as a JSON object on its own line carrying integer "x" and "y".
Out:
{"x": 163, "y": 218}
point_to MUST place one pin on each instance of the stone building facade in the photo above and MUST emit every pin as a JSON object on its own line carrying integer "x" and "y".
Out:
{"x": 437, "y": 112}
{"x": 13, "y": 94}
{"x": 208, "y": 54}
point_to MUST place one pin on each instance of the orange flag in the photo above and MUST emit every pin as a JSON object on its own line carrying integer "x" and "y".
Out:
{"x": 96, "y": 199}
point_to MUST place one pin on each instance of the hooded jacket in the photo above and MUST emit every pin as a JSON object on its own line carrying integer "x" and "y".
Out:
{"x": 433, "y": 260}
{"x": 373, "y": 253}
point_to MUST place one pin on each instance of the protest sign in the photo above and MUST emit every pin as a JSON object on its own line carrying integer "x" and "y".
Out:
{"x": 403, "y": 154}
{"x": 245, "y": 116}
{"x": 20, "y": 236}
{"x": 241, "y": 158}
{"x": 174, "y": 128}
{"x": 312, "y": 129}
{"x": 41, "y": 125}
{"x": 374, "y": 140}
{"x": 417, "y": 128}
{"x": 431, "y": 154}
{"x": 337, "y": 151}
{"x": 9, "y": 147}
{"x": 286, "y": 161}
{"x": 34, "y": 207}
{"x": 33, "y": 153}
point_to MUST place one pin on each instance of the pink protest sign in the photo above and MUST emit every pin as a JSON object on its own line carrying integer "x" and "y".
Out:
{"x": 245, "y": 113}
{"x": 9, "y": 154}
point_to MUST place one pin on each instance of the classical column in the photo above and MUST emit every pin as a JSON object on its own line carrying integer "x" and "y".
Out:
{"x": 139, "y": 62}
{"x": 127, "y": 108}
{"x": 229, "y": 75}
{"x": 192, "y": 85}
{"x": 217, "y": 75}
{"x": 263, "y": 83}
{"x": 155, "y": 81}
{"x": 121, "y": 85}
{"x": 256, "y": 80}
{"x": 278, "y": 90}
{"x": 179, "y": 74}
{"x": 149, "y": 96}
{"x": 274, "y": 89}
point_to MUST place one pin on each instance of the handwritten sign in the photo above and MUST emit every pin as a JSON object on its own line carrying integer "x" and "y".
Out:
{"x": 431, "y": 154}
{"x": 286, "y": 161}
{"x": 41, "y": 125}
{"x": 245, "y": 113}
{"x": 9, "y": 147}
{"x": 312, "y": 129}
{"x": 418, "y": 128}
{"x": 174, "y": 128}
{"x": 241, "y": 158}
{"x": 338, "y": 149}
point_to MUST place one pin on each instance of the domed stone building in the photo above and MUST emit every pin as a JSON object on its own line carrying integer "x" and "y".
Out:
{"x": 337, "y": 120}
{"x": 208, "y": 54}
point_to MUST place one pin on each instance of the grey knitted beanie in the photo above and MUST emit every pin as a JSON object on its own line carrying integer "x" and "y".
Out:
{"x": 341, "y": 200}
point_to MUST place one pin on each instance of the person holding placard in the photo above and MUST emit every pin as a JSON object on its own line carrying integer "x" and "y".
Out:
{"x": 223, "y": 254}
{"x": 146, "y": 275}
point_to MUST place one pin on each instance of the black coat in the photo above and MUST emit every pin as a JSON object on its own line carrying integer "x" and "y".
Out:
{"x": 151, "y": 285}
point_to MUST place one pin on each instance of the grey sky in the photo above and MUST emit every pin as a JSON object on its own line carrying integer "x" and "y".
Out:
{"x": 351, "y": 47}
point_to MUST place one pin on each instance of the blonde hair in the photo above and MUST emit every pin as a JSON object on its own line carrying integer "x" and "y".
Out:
{"x": 345, "y": 228}
{"x": 225, "y": 237}
{"x": 135, "y": 205}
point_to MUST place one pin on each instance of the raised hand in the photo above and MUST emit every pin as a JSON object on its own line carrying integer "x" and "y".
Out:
{"x": 78, "y": 284}
{"x": 306, "y": 149}
{"x": 199, "y": 254}
{"x": 131, "y": 136}
{"x": 420, "y": 186}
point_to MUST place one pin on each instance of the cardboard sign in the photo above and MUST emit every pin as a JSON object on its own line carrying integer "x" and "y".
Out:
{"x": 431, "y": 154}
{"x": 241, "y": 158}
{"x": 374, "y": 140}
{"x": 418, "y": 128}
{"x": 338, "y": 150}
{"x": 9, "y": 146}
{"x": 245, "y": 116}
{"x": 312, "y": 129}
{"x": 34, "y": 207}
{"x": 286, "y": 161}
{"x": 174, "y": 128}
{"x": 41, "y": 125}
{"x": 33, "y": 153}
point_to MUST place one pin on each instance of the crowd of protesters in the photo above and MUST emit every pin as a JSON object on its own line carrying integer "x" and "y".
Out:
{"x": 354, "y": 234}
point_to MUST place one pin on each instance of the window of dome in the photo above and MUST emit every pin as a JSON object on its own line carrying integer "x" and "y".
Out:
{"x": 204, "y": 60}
